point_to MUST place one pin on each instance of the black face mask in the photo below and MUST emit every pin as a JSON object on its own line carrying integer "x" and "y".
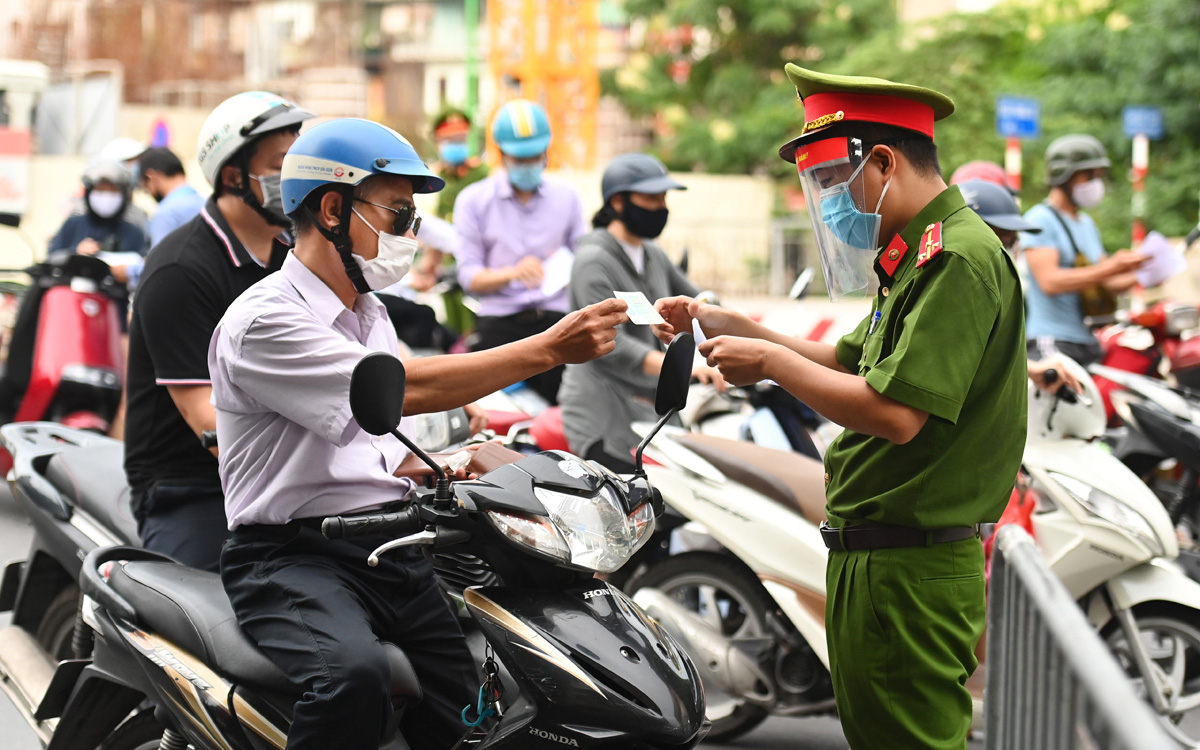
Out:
{"x": 643, "y": 222}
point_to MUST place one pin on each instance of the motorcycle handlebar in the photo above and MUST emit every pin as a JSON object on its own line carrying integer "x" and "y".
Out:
{"x": 400, "y": 523}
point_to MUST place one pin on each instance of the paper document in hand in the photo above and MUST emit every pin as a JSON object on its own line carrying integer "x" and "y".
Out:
{"x": 1165, "y": 260}
{"x": 640, "y": 311}
{"x": 556, "y": 271}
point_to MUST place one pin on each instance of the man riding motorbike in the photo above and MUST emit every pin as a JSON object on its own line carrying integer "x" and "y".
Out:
{"x": 281, "y": 361}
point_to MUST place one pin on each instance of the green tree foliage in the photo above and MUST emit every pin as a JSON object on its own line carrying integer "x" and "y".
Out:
{"x": 718, "y": 86}
{"x": 1084, "y": 60}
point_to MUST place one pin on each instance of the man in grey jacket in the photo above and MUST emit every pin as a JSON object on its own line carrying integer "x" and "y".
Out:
{"x": 601, "y": 399}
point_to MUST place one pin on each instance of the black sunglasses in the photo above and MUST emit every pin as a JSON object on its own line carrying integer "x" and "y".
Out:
{"x": 406, "y": 217}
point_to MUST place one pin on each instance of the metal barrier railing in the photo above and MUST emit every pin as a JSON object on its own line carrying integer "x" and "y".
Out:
{"x": 1051, "y": 682}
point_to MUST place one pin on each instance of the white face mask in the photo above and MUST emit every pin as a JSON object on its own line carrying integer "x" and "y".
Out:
{"x": 105, "y": 203}
{"x": 1088, "y": 194}
{"x": 395, "y": 257}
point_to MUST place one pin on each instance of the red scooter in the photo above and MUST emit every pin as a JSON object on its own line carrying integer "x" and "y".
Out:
{"x": 64, "y": 357}
{"x": 1141, "y": 342}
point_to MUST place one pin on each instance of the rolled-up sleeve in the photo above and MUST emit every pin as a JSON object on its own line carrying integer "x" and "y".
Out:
{"x": 291, "y": 365}
{"x": 469, "y": 255}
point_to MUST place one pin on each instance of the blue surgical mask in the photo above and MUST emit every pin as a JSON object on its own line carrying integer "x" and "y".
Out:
{"x": 526, "y": 177}
{"x": 454, "y": 153}
{"x": 850, "y": 225}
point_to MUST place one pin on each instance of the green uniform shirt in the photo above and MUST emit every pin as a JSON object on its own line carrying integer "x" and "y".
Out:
{"x": 457, "y": 178}
{"x": 950, "y": 341}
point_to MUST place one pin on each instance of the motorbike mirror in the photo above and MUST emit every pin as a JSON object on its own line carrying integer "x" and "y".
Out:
{"x": 673, "y": 381}
{"x": 675, "y": 375}
{"x": 377, "y": 403}
{"x": 377, "y": 393}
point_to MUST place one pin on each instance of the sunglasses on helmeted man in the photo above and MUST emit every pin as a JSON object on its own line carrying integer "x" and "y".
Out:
{"x": 406, "y": 216}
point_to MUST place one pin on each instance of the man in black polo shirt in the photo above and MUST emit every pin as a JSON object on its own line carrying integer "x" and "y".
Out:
{"x": 188, "y": 281}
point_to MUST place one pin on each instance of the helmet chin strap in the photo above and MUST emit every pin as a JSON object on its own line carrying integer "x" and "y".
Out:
{"x": 340, "y": 237}
{"x": 248, "y": 197}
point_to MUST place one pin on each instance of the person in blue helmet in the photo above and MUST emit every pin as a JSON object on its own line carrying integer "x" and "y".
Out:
{"x": 292, "y": 454}
{"x": 510, "y": 225}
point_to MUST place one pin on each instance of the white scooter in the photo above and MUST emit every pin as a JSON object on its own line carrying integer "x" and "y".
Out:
{"x": 751, "y": 608}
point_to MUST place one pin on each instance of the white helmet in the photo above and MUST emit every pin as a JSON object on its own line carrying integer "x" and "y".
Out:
{"x": 121, "y": 150}
{"x": 238, "y": 120}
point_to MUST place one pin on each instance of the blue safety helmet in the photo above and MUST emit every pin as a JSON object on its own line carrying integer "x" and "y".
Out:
{"x": 521, "y": 129}
{"x": 342, "y": 153}
{"x": 346, "y": 152}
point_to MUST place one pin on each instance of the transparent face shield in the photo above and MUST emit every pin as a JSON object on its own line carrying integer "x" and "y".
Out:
{"x": 847, "y": 237}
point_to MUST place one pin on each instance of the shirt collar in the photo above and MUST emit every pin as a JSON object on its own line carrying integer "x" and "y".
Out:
{"x": 234, "y": 249}
{"x": 322, "y": 300}
{"x": 946, "y": 204}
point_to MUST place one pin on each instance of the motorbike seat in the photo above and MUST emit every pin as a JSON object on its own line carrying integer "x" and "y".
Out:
{"x": 93, "y": 480}
{"x": 189, "y": 608}
{"x": 790, "y": 479}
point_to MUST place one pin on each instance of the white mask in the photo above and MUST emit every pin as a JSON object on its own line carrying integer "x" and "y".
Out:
{"x": 105, "y": 203}
{"x": 395, "y": 257}
{"x": 1088, "y": 194}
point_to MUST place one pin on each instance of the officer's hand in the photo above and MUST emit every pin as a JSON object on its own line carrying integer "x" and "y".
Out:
{"x": 87, "y": 246}
{"x": 587, "y": 334}
{"x": 675, "y": 310}
{"x": 529, "y": 271}
{"x": 741, "y": 361}
{"x": 421, "y": 281}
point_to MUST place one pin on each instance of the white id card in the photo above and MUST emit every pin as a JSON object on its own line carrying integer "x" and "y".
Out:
{"x": 640, "y": 311}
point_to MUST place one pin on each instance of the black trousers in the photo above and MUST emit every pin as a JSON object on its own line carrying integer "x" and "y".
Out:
{"x": 498, "y": 331}
{"x": 186, "y": 522}
{"x": 318, "y": 611}
{"x": 604, "y": 458}
{"x": 1084, "y": 354}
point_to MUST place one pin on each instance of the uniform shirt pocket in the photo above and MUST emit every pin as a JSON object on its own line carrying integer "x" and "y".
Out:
{"x": 872, "y": 348}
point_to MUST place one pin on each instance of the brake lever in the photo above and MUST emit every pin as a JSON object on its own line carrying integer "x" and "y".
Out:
{"x": 422, "y": 537}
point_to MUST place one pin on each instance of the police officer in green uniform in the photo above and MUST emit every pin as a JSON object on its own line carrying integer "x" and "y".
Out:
{"x": 930, "y": 387}
{"x": 456, "y": 165}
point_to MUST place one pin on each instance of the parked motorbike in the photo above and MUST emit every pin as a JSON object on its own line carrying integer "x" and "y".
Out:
{"x": 751, "y": 607}
{"x": 70, "y": 483}
{"x": 588, "y": 666}
{"x": 64, "y": 359}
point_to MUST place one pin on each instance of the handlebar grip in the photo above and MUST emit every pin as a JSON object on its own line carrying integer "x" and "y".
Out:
{"x": 1050, "y": 376}
{"x": 400, "y": 523}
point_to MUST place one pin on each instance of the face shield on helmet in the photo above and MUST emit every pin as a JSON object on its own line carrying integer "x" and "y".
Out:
{"x": 846, "y": 230}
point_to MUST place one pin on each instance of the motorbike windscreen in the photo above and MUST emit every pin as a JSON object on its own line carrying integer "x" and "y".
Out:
{"x": 846, "y": 235}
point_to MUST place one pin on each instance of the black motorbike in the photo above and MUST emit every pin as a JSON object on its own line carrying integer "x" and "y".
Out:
{"x": 588, "y": 668}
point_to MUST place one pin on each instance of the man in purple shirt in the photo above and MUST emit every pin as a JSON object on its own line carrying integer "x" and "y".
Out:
{"x": 291, "y": 452}
{"x": 510, "y": 226}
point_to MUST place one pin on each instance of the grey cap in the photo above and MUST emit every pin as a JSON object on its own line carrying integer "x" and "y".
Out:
{"x": 996, "y": 206}
{"x": 636, "y": 173}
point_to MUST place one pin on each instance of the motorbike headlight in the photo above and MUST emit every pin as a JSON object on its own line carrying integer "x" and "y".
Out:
{"x": 598, "y": 534}
{"x": 1103, "y": 505}
{"x": 532, "y": 531}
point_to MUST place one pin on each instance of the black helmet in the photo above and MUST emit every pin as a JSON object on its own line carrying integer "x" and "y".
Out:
{"x": 995, "y": 205}
{"x": 1073, "y": 153}
{"x": 636, "y": 173}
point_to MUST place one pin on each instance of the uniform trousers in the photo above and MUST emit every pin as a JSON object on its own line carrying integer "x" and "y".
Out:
{"x": 319, "y": 612}
{"x": 902, "y": 625}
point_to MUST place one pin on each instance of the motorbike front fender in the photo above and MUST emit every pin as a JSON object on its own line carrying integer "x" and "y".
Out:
{"x": 1158, "y": 580}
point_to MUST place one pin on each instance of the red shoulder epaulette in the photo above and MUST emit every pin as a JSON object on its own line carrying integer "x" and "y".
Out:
{"x": 931, "y": 244}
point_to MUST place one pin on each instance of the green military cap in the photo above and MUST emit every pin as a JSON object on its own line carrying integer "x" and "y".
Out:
{"x": 451, "y": 121}
{"x": 830, "y": 99}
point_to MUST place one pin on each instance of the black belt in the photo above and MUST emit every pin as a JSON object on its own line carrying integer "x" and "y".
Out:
{"x": 880, "y": 536}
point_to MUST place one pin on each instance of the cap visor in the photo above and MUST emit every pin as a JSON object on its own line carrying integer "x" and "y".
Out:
{"x": 655, "y": 185}
{"x": 525, "y": 149}
{"x": 424, "y": 181}
{"x": 1011, "y": 222}
{"x": 293, "y": 116}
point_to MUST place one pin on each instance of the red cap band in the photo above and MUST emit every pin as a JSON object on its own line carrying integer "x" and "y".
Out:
{"x": 886, "y": 110}
{"x": 817, "y": 153}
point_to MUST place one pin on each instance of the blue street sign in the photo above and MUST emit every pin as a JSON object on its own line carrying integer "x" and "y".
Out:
{"x": 1147, "y": 121}
{"x": 1018, "y": 117}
